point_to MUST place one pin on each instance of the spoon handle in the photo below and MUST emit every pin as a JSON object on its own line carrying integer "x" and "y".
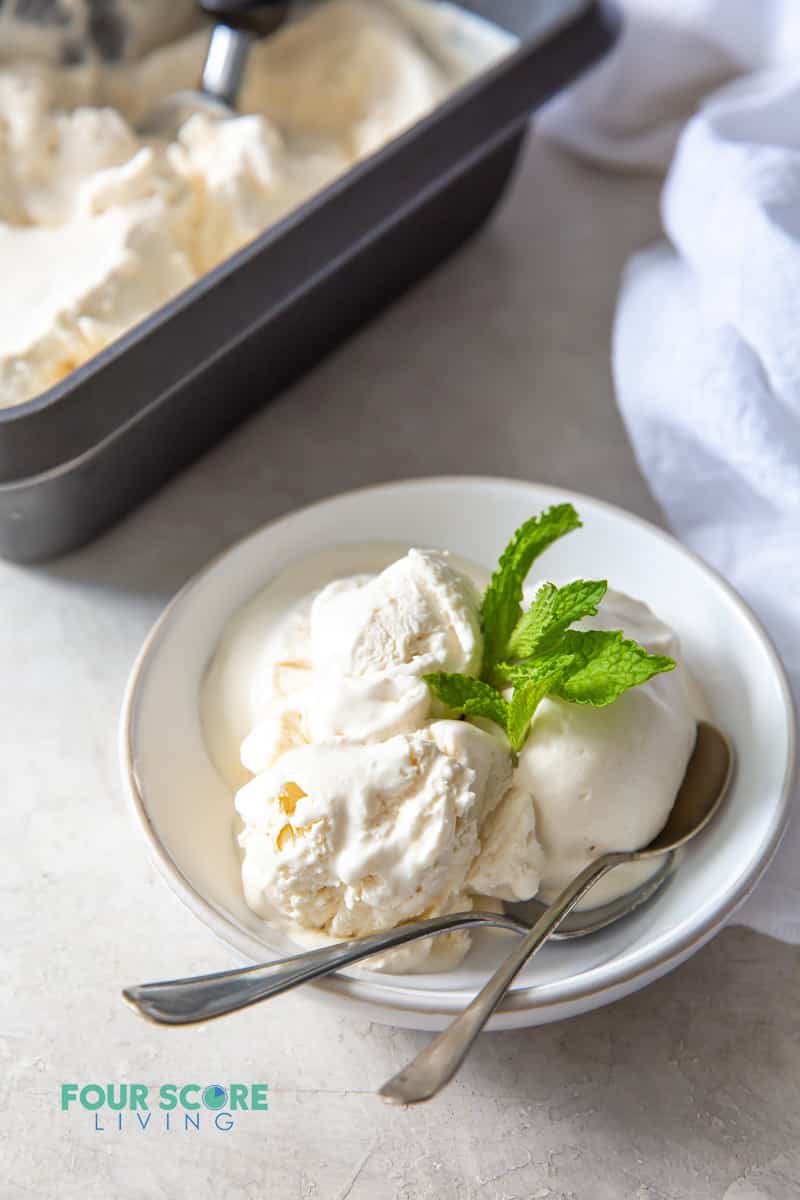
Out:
{"x": 438, "y": 1062}
{"x": 199, "y": 998}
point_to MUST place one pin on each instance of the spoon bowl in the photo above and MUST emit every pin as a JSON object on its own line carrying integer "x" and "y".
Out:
{"x": 704, "y": 787}
{"x": 582, "y": 922}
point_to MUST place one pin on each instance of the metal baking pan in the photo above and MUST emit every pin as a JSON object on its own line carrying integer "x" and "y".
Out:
{"x": 76, "y": 458}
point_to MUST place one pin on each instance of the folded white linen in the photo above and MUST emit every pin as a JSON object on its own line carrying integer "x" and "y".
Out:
{"x": 706, "y": 347}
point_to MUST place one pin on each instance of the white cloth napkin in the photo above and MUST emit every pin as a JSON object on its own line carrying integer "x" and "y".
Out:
{"x": 706, "y": 347}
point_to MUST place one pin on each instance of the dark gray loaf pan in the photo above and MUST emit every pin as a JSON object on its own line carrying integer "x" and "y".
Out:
{"x": 78, "y": 457}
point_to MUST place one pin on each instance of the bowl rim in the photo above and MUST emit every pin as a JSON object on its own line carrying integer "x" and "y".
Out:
{"x": 537, "y": 998}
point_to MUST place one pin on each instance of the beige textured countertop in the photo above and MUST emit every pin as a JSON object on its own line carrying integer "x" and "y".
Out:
{"x": 689, "y": 1090}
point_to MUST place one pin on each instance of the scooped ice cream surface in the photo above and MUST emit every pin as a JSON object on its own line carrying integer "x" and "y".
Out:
{"x": 99, "y": 226}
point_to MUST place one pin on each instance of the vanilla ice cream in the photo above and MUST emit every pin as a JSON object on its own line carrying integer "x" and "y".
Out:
{"x": 606, "y": 778}
{"x": 99, "y": 227}
{"x": 362, "y": 805}
{"x": 354, "y": 838}
{"x": 418, "y": 615}
{"x": 366, "y": 807}
{"x": 348, "y": 662}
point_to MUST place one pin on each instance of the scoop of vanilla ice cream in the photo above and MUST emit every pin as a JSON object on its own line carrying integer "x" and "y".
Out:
{"x": 606, "y": 778}
{"x": 348, "y": 665}
{"x": 349, "y": 839}
{"x": 417, "y": 616}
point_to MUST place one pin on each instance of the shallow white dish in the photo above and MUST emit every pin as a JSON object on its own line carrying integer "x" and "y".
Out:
{"x": 185, "y": 811}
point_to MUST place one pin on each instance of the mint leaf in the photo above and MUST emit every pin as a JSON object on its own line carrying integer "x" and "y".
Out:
{"x": 469, "y": 696}
{"x": 502, "y": 607}
{"x": 605, "y": 665}
{"x": 554, "y": 609}
{"x": 517, "y": 674}
{"x": 531, "y": 689}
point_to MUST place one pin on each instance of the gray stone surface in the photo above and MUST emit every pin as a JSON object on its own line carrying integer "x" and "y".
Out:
{"x": 690, "y": 1089}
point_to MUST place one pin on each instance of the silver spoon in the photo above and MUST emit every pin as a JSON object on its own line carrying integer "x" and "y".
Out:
{"x": 239, "y": 24}
{"x": 704, "y": 786}
{"x": 202, "y": 997}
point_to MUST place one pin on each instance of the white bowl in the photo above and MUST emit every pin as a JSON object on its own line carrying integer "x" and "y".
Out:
{"x": 185, "y": 811}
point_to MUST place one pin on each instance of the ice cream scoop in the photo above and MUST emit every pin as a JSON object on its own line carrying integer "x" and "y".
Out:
{"x": 238, "y": 23}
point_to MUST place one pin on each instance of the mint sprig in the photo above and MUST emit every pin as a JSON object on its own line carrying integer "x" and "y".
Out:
{"x": 502, "y": 602}
{"x": 536, "y": 653}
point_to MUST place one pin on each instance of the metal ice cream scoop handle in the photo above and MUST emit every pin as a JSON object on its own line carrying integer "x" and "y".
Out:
{"x": 238, "y": 24}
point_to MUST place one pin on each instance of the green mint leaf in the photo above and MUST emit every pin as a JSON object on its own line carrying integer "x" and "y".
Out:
{"x": 517, "y": 674}
{"x": 529, "y": 690}
{"x": 502, "y": 607}
{"x": 469, "y": 696}
{"x": 554, "y": 609}
{"x": 606, "y": 664}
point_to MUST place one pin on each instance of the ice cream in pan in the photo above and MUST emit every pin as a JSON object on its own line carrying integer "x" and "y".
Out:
{"x": 100, "y": 226}
{"x": 409, "y": 746}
